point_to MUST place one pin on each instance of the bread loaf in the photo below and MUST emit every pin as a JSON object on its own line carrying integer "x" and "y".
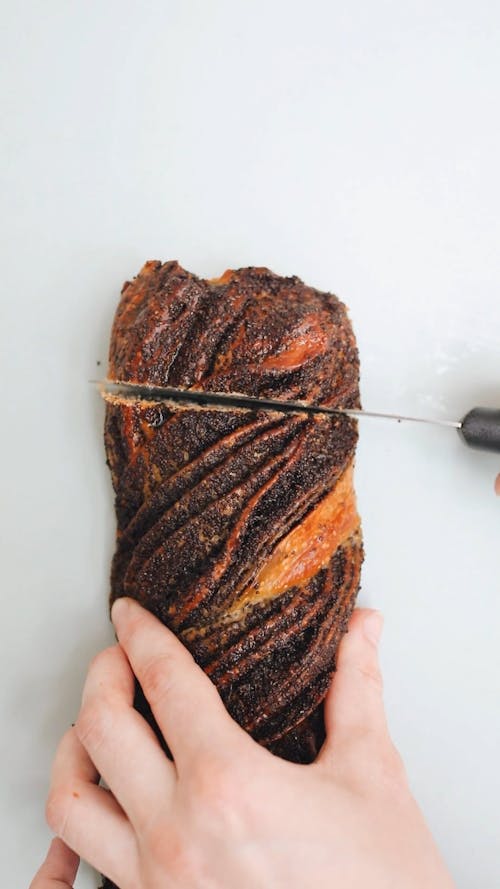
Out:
{"x": 238, "y": 529}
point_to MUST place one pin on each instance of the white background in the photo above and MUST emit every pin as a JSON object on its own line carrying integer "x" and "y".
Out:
{"x": 355, "y": 144}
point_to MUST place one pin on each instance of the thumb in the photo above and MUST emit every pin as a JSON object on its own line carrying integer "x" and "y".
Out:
{"x": 59, "y": 868}
{"x": 354, "y": 706}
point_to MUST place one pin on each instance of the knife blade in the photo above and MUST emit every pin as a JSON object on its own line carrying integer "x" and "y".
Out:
{"x": 480, "y": 428}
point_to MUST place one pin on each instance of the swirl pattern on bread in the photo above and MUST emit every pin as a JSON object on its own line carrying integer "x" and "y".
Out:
{"x": 238, "y": 528}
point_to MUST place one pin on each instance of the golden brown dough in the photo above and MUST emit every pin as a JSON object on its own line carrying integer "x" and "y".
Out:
{"x": 239, "y": 529}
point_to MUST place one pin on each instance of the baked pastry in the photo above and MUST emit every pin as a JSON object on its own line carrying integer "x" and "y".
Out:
{"x": 238, "y": 528}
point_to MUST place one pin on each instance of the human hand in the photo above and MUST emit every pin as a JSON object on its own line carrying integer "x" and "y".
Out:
{"x": 497, "y": 485}
{"x": 227, "y": 812}
{"x": 59, "y": 868}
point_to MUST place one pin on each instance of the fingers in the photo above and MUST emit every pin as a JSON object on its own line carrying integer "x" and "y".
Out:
{"x": 87, "y": 817}
{"x": 497, "y": 485}
{"x": 184, "y": 701}
{"x": 118, "y": 740}
{"x": 354, "y": 706}
{"x": 59, "y": 868}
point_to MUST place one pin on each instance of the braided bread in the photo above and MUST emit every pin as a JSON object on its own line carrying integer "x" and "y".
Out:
{"x": 238, "y": 528}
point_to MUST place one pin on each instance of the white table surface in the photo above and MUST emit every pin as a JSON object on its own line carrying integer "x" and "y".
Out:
{"x": 353, "y": 143}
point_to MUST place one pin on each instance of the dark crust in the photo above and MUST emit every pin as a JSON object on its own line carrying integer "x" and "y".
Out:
{"x": 172, "y": 328}
{"x": 203, "y": 496}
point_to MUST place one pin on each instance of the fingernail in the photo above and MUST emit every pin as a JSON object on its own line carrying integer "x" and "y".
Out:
{"x": 119, "y": 610}
{"x": 373, "y": 624}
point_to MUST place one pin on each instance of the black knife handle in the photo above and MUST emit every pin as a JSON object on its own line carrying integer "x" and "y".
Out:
{"x": 481, "y": 429}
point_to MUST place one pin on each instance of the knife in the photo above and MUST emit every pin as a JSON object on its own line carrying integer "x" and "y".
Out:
{"x": 480, "y": 427}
